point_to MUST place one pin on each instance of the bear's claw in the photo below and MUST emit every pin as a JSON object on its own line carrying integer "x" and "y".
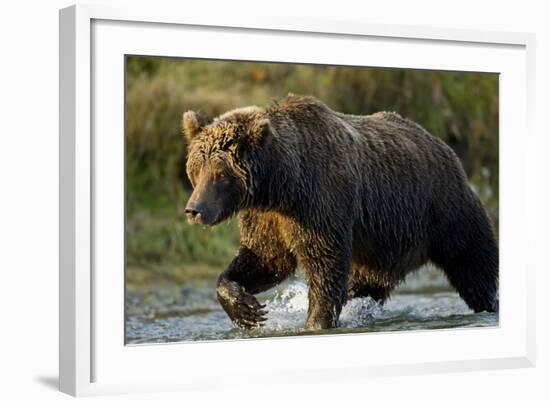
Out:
{"x": 243, "y": 308}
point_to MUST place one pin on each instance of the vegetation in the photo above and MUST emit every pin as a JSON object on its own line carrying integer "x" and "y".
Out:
{"x": 460, "y": 108}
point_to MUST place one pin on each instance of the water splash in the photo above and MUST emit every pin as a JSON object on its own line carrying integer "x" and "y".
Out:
{"x": 191, "y": 313}
{"x": 288, "y": 309}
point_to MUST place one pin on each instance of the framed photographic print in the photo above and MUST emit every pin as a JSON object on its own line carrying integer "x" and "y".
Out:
{"x": 339, "y": 199}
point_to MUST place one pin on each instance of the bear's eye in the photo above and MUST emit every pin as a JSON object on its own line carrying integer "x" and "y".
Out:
{"x": 219, "y": 176}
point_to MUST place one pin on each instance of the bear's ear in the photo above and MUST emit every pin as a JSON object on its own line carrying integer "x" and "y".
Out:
{"x": 193, "y": 123}
{"x": 258, "y": 130}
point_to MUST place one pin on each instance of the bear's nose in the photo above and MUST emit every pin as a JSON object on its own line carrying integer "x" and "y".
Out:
{"x": 193, "y": 210}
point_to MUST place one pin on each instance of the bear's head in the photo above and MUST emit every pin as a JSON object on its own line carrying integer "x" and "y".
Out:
{"x": 221, "y": 163}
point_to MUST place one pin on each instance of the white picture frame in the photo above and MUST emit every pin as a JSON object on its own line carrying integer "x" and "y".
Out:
{"x": 93, "y": 357}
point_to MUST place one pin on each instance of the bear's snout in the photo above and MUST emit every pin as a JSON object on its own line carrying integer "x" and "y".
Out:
{"x": 195, "y": 212}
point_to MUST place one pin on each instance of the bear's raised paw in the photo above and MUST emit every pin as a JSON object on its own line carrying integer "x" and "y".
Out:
{"x": 243, "y": 308}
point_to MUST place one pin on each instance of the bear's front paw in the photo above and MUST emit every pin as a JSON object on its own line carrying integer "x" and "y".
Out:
{"x": 243, "y": 308}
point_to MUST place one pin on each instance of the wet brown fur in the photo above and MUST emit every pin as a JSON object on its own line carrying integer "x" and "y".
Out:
{"x": 357, "y": 201}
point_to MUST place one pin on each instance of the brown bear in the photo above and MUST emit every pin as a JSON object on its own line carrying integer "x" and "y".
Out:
{"x": 357, "y": 201}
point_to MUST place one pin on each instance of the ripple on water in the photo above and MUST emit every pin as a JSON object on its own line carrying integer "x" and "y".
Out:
{"x": 191, "y": 313}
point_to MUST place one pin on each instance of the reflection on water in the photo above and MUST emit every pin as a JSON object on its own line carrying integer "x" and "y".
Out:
{"x": 167, "y": 313}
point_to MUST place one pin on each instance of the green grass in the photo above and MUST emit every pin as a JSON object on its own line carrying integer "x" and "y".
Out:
{"x": 158, "y": 241}
{"x": 144, "y": 276}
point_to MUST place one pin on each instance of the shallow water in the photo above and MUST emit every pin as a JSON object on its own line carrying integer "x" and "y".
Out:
{"x": 167, "y": 313}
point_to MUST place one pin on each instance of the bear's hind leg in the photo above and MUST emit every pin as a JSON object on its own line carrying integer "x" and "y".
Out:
{"x": 475, "y": 282}
{"x": 469, "y": 258}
